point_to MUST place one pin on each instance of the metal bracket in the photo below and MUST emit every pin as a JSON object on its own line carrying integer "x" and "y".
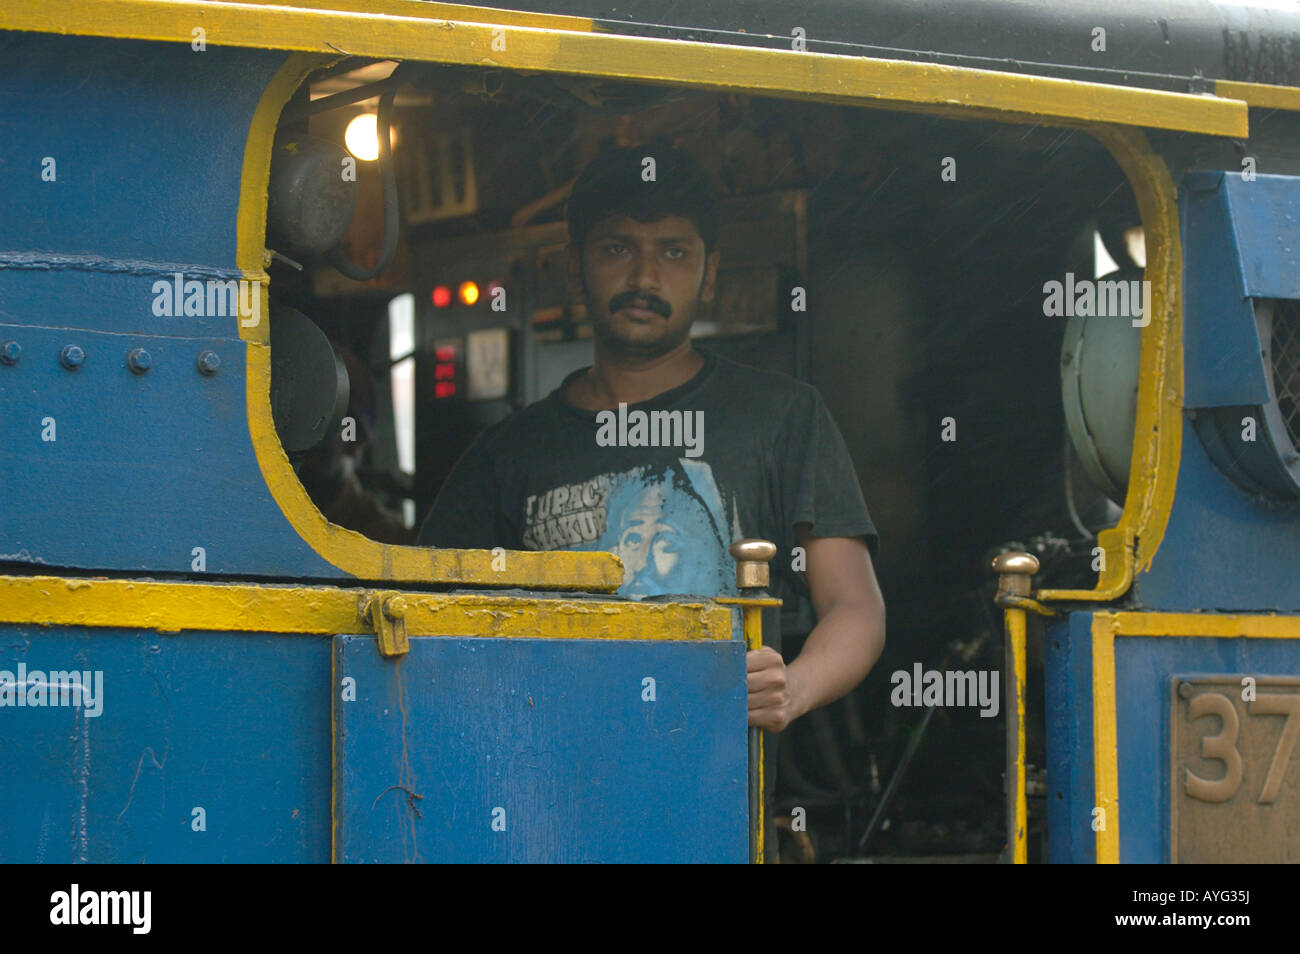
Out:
{"x": 386, "y": 614}
{"x": 1011, "y": 601}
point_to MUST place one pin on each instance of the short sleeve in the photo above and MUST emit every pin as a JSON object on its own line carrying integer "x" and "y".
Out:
{"x": 818, "y": 481}
{"x": 467, "y": 514}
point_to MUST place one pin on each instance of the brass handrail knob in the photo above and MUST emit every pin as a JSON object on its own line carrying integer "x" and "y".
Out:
{"x": 1014, "y": 569}
{"x": 752, "y": 558}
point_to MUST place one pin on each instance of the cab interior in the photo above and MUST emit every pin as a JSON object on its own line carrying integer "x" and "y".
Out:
{"x": 923, "y": 244}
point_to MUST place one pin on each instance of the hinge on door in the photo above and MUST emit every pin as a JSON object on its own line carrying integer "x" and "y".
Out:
{"x": 386, "y": 614}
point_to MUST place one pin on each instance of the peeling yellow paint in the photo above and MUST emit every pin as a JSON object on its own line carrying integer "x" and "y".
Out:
{"x": 176, "y": 607}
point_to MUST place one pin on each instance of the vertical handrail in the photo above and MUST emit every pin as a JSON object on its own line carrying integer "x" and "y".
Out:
{"x": 1017, "y": 806}
{"x": 1015, "y": 571}
{"x": 752, "y": 578}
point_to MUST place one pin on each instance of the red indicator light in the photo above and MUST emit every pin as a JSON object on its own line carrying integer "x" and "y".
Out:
{"x": 442, "y": 296}
{"x": 444, "y": 372}
{"x": 444, "y": 389}
{"x": 445, "y": 353}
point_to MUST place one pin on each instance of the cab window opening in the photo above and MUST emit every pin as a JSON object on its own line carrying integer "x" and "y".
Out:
{"x": 919, "y": 249}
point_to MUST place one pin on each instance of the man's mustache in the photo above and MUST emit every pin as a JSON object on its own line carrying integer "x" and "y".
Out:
{"x": 631, "y": 299}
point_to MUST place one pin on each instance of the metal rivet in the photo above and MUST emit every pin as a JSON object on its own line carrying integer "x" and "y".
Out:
{"x": 138, "y": 360}
{"x": 10, "y": 352}
{"x": 72, "y": 357}
{"x": 209, "y": 361}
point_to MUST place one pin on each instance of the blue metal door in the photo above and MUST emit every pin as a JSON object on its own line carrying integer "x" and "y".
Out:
{"x": 573, "y": 750}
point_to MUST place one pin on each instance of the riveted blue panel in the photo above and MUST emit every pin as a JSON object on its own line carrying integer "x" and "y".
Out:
{"x": 550, "y": 739}
{"x": 108, "y": 468}
{"x": 1221, "y": 549}
{"x": 235, "y": 724}
{"x": 1067, "y": 673}
{"x": 145, "y": 145}
{"x": 1143, "y": 666}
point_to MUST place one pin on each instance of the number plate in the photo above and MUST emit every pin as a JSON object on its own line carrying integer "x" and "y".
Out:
{"x": 1233, "y": 769}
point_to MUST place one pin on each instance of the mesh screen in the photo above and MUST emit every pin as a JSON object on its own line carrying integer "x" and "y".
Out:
{"x": 1285, "y": 348}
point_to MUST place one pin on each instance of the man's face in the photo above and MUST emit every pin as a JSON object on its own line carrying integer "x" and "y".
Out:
{"x": 642, "y": 282}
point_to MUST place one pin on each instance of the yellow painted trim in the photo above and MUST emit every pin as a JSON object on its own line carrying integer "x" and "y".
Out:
{"x": 443, "y": 34}
{"x": 425, "y": 10}
{"x": 1224, "y": 625}
{"x": 370, "y": 560}
{"x": 1018, "y": 822}
{"x": 251, "y": 608}
{"x": 1156, "y": 447}
{"x": 1260, "y": 95}
{"x": 1105, "y": 628}
{"x": 251, "y": 255}
{"x": 348, "y": 550}
{"x": 759, "y": 601}
{"x": 752, "y": 615}
{"x": 1158, "y": 432}
{"x": 1155, "y": 452}
{"x": 1105, "y": 752}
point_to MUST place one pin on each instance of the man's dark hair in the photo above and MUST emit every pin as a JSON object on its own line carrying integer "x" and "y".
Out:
{"x": 612, "y": 184}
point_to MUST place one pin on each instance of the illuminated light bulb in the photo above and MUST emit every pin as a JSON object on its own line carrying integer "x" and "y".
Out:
{"x": 362, "y": 137}
{"x": 468, "y": 292}
{"x": 442, "y": 296}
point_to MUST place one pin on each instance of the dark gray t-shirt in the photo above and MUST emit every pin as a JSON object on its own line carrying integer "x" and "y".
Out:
{"x": 741, "y": 453}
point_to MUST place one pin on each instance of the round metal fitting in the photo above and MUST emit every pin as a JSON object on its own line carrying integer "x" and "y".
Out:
{"x": 138, "y": 360}
{"x": 1015, "y": 570}
{"x": 72, "y": 357}
{"x": 763, "y": 550}
{"x": 751, "y": 558}
{"x": 208, "y": 362}
{"x": 395, "y": 607}
{"x": 10, "y": 352}
{"x": 1015, "y": 562}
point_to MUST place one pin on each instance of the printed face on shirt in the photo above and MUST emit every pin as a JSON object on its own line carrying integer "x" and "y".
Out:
{"x": 664, "y": 533}
{"x": 656, "y": 556}
{"x": 643, "y": 282}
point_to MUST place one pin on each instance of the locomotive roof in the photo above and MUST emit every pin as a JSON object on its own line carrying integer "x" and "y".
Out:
{"x": 1158, "y": 44}
{"x": 1149, "y": 69}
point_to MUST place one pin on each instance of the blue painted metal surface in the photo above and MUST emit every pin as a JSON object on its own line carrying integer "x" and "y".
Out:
{"x": 237, "y": 725}
{"x": 1221, "y": 550}
{"x": 109, "y": 468}
{"x": 1143, "y": 667}
{"x": 551, "y": 739}
{"x": 1241, "y": 239}
{"x": 147, "y": 142}
{"x": 1067, "y": 671}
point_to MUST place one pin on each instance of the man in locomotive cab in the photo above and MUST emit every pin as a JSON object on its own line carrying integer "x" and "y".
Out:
{"x": 665, "y": 454}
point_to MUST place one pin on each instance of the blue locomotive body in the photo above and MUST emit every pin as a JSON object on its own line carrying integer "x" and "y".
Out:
{"x": 156, "y": 543}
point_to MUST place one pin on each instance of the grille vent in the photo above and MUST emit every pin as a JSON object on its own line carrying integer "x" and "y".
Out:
{"x": 1284, "y": 347}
